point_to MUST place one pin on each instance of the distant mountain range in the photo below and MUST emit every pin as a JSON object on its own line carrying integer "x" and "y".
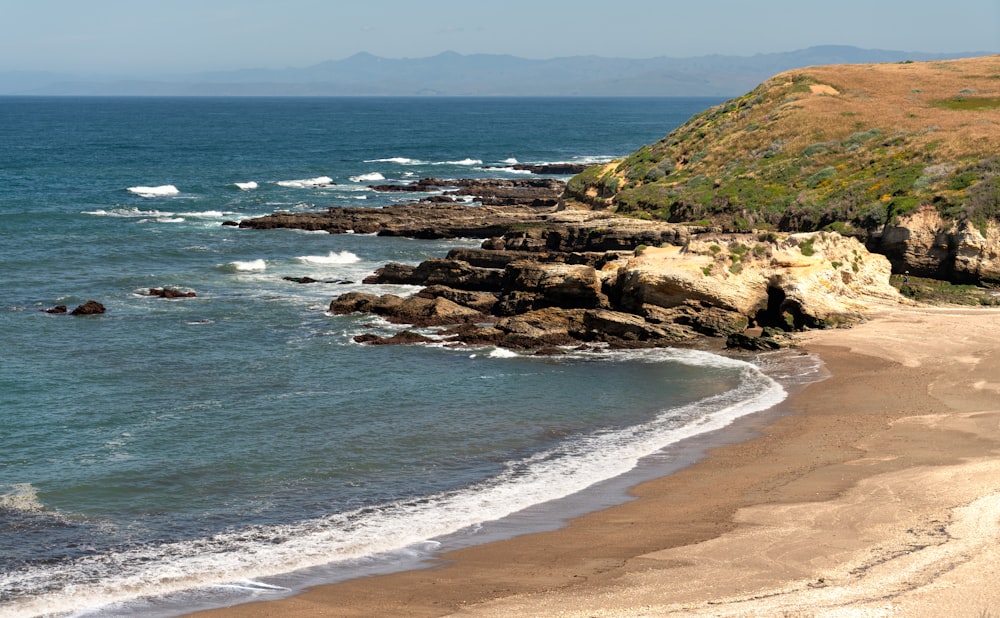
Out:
{"x": 453, "y": 74}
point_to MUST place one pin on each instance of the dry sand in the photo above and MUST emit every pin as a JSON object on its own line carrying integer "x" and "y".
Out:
{"x": 878, "y": 494}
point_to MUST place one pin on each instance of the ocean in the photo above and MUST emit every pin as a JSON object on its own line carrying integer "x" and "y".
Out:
{"x": 176, "y": 454}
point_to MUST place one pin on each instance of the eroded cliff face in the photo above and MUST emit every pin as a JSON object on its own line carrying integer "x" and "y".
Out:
{"x": 926, "y": 244}
{"x": 803, "y": 280}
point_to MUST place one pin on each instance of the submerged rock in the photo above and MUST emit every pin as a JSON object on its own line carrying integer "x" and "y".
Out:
{"x": 170, "y": 293}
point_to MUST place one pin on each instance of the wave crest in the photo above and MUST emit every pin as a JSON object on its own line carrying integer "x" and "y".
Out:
{"x": 307, "y": 183}
{"x": 158, "y": 191}
{"x": 344, "y": 257}
{"x": 245, "y": 266}
{"x": 372, "y": 176}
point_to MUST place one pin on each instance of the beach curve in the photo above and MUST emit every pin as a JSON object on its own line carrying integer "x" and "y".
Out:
{"x": 877, "y": 494}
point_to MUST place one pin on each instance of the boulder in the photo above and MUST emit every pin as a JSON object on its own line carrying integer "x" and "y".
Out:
{"x": 751, "y": 343}
{"x": 57, "y": 309}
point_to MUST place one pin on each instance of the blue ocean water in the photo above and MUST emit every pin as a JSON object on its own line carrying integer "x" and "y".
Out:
{"x": 172, "y": 454}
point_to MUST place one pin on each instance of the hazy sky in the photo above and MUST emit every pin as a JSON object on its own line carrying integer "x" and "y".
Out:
{"x": 116, "y": 36}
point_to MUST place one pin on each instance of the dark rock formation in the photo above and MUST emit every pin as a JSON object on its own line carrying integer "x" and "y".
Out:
{"x": 170, "y": 293}
{"x": 416, "y": 310}
{"x": 751, "y": 343}
{"x": 91, "y": 307}
{"x": 406, "y": 337}
{"x": 57, "y": 309}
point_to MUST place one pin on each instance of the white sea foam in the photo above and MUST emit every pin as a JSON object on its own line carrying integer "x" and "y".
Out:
{"x": 402, "y": 527}
{"x": 159, "y": 191}
{"x": 468, "y": 162}
{"x": 246, "y": 186}
{"x": 128, "y": 213}
{"x": 159, "y": 216}
{"x": 344, "y": 257}
{"x": 307, "y": 183}
{"x": 370, "y": 177}
{"x": 19, "y": 497}
{"x": 503, "y": 353}
{"x": 510, "y": 161}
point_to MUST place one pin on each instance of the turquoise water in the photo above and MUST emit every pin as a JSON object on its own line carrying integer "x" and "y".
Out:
{"x": 196, "y": 450}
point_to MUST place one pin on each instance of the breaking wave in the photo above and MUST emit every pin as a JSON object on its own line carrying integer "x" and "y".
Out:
{"x": 159, "y": 191}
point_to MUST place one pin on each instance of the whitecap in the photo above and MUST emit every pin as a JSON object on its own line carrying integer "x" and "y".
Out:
{"x": 307, "y": 183}
{"x": 510, "y": 161}
{"x": 370, "y": 177}
{"x": 462, "y": 162}
{"x": 246, "y": 266}
{"x": 246, "y": 186}
{"x": 344, "y": 257}
{"x": 159, "y": 191}
{"x": 396, "y": 160}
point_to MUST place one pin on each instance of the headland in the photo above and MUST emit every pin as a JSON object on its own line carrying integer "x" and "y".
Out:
{"x": 875, "y": 490}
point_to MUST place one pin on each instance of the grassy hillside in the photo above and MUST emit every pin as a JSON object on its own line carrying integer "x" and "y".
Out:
{"x": 845, "y": 147}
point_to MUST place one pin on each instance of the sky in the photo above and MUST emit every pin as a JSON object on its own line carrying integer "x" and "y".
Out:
{"x": 180, "y": 36}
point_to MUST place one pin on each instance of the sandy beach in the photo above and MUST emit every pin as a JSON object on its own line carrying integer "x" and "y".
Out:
{"x": 876, "y": 493}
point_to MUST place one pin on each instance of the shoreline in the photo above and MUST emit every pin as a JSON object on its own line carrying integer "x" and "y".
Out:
{"x": 852, "y": 497}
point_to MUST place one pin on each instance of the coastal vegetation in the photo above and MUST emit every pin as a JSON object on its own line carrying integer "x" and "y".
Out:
{"x": 853, "y": 149}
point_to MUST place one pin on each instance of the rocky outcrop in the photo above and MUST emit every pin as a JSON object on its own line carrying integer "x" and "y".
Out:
{"x": 529, "y": 285}
{"x": 91, "y": 307}
{"x": 714, "y": 285}
{"x": 533, "y": 229}
{"x": 558, "y": 276}
{"x": 440, "y": 271}
{"x": 420, "y": 310}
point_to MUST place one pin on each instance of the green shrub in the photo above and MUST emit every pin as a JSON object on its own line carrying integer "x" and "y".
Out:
{"x": 827, "y": 173}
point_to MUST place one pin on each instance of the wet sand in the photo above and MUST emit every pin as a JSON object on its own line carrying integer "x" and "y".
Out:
{"x": 876, "y": 493}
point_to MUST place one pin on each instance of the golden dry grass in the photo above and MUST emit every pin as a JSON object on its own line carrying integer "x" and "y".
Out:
{"x": 900, "y": 98}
